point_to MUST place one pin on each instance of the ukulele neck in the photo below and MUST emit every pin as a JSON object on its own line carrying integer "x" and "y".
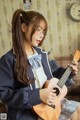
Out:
{"x": 64, "y": 78}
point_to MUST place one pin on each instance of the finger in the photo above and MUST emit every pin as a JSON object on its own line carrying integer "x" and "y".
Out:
{"x": 53, "y": 95}
{"x": 75, "y": 73}
{"x": 50, "y": 99}
{"x": 73, "y": 67}
{"x": 53, "y": 90}
{"x": 50, "y": 102}
{"x": 74, "y": 62}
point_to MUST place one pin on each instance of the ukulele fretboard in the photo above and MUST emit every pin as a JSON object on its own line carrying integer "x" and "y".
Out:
{"x": 64, "y": 78}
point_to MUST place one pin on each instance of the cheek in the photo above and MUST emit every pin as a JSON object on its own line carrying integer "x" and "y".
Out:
{"x": 34, "y": 36}
{"x": 33, "y": 39}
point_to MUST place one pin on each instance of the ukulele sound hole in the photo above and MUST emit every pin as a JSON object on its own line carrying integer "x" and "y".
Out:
{"x": 56, "y": 91}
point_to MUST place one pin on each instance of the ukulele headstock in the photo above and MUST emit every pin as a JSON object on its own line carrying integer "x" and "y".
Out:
{"x": 76, "y": 55}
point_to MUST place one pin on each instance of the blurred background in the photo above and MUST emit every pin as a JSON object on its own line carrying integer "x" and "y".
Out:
{"x": 63, "y": 36}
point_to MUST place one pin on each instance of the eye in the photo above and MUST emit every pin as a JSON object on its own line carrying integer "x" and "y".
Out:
{"x": 39, "y": 30}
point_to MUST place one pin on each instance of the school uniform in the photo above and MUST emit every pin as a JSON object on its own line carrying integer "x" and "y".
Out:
{"x": 18, "y": 97}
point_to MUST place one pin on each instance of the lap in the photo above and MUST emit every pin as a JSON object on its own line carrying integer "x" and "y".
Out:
{"x": 68, "y": 108}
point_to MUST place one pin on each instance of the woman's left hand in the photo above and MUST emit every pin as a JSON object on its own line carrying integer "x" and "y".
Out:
{"x": 74, "y": 67}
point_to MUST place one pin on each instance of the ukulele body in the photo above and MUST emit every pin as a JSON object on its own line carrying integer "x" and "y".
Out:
{"x": 62, "y": 91}
{"x": 45, "y": 111}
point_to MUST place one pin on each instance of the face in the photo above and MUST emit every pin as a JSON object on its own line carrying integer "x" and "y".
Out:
{"x": 39, "y": 34}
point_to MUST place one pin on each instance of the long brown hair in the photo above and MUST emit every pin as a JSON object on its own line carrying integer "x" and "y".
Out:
{"x": 29, "y": 18}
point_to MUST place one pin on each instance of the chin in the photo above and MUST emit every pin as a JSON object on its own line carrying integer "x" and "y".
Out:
{"x": 36, "y": 45}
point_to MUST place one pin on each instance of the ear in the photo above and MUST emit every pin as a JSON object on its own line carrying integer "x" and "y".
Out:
{"x": 23, "y": 27}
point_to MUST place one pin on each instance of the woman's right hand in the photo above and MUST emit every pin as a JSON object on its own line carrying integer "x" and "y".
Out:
{"x": 47, "y": 96}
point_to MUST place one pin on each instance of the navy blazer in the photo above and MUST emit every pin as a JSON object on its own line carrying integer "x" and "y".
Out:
{"x": 18, "y": 97}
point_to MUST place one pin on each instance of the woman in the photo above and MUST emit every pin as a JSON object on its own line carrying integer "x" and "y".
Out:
{"x": 25, "y": 68}
{"x": 19, "y": 87}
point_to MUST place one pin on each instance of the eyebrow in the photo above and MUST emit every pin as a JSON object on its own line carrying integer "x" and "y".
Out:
{"x": 41, "y": 27}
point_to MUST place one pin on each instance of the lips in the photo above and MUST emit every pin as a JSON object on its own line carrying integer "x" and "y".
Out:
{"x": 38, "y": 41}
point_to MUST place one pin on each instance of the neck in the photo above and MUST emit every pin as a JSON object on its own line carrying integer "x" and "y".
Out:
{"x": 29, "y": 49}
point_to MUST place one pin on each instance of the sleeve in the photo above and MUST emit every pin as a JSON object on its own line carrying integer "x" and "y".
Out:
{"x": 23, "y": 98}
{"x": 58, "y": 71}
